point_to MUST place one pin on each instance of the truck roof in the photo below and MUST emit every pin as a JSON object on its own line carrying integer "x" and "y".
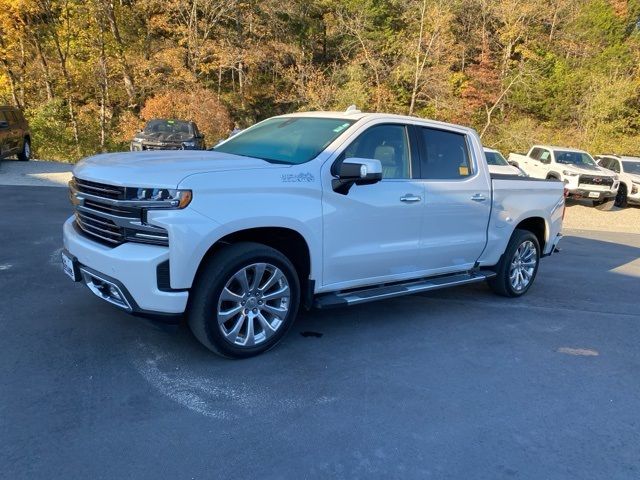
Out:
{"x": 555, "y": 147}
{"x": 358, "y": 115}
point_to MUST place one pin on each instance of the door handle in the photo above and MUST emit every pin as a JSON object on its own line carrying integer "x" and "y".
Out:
{"x": 410, "y": 198}
{"x": 478, "y": 197}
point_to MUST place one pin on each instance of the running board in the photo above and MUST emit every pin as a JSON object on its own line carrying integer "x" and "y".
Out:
{"x": 370, "y": 294}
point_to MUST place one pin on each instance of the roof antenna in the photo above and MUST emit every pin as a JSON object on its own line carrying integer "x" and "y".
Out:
{"x": 351, "y": 110}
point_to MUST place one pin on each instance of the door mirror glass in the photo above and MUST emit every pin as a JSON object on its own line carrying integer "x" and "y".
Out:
{"x": 4, "y": 124}
{"x": 357, "y": 171}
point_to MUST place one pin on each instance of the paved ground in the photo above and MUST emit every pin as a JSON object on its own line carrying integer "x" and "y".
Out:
{"x": 35, "y": 173}
{"x": 455, "y": 384}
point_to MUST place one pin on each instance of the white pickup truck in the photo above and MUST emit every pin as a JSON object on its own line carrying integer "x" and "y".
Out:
{"x": 318, "y": 209}
{"x": 628, "y": 171}
{"x": 582, "y": 176}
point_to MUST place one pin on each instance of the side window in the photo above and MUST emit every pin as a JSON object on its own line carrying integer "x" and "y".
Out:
{"x": 535, "y": 153}
{"x": 545, "y": 156}
{"x": 387, "y": 143}
{"x": 447, "y": 155}
{"x": 614, "y": 165}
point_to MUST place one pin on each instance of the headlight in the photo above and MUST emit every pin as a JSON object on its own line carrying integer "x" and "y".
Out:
{"x": 162, "y": 197}
{"x": 189, "y": 144}
{"x": 569, "y": 173}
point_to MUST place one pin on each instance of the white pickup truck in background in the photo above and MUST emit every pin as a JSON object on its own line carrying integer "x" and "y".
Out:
{"x": 582, "y": 176}
{"x": 319, "y": 209}
{"x": 628, "y": 171}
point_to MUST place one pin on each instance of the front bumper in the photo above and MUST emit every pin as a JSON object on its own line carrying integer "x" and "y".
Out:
{"x": 586, "y": 193}
{"x": 132, "y": 267}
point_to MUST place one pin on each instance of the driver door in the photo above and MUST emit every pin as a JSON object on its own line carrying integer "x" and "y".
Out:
{"x": 372, "y": 234}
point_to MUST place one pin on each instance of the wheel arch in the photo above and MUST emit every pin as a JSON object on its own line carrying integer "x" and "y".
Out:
{"x": 537, "y": 226}
{"x": 287, "y": 241}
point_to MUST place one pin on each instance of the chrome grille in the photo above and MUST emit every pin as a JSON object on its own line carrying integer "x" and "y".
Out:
{"x": 105, "y": 213}
{"x": 596, "y": 180}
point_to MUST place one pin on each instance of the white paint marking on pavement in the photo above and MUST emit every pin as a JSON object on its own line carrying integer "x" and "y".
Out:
{"x": 209, "y": 396}
{"x": 581, "y": 352}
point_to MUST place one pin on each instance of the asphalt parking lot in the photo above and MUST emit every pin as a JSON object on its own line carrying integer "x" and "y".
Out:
{"x": 454, "y": 384}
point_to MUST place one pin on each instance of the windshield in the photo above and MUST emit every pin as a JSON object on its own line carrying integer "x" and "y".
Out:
{"x": 167, "y": 126}
{"x": 631, "y": 167}
{"x": 574, "y": 158}
{"x": 495, "y": 158}
{"x": 289, "y": 140}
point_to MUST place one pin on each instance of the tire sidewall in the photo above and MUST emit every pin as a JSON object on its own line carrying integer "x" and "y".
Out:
{"x": 519, "y": 237}
{"x": 212, "y": 296}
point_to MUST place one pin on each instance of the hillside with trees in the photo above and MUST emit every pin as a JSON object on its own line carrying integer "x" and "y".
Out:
{"x": 87, "y": 73}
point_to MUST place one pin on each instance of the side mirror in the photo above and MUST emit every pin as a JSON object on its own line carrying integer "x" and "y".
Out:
{"x": 356, "y": 171}
{"x": 4, "y": 124}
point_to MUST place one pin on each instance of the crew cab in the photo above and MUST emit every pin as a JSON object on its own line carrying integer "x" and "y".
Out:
{"x": 163, "y": 134}
{"x": 582, "y": 176}
{"x": 628, "y": 171}
{"x": 320, "y": 209}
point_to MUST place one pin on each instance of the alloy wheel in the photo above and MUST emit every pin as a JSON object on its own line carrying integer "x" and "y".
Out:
{"x": 523, "y": 265}
{"x": 253, "y": 304}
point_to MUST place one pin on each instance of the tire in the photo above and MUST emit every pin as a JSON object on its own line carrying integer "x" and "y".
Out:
{"x": 252, "y": 326}
{"x": 502, "y": 283}
{"x": 604, "y": 205}
{"x": 25, "y": 154}
{"x": 621, "y": 199}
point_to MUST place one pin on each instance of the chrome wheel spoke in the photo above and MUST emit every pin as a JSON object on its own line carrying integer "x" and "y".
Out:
{"x": 276, "y": 312}
{"x": 228, "y": 296}
{"x": 266, "y": 326}
{"x": 257, "y": 277}
{"x": 249, "y": 339}
{"x": 226, "y": 315}
{"x": 276, "y": 276}
{"x": 280, "y": 293}
{"x": 232, "y": 335}
{"x": 242, "y": 279}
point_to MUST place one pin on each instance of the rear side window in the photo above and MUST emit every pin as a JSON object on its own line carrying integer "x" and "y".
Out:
{"x": 447, "y": 155}
{"x": 545, "y": 156}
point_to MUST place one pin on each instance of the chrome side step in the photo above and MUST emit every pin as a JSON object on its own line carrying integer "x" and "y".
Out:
{"x": 370, "y": 294}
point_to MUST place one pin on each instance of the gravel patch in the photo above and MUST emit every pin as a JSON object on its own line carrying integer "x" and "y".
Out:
{"x": 581, "y": 216}
{"x": 35, "y": 173}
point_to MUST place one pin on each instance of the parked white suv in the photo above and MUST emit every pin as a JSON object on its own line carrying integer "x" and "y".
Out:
{"x": 317, "y": 209}
{"x": 582, "y": 176}
{"x": 628, "y": 171}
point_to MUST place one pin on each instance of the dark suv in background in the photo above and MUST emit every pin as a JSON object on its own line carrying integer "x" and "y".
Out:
{"x": 15, "y": 138}
{"x": 164, "y": 134}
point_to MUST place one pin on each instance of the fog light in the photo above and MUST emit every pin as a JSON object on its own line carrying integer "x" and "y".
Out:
{"x": 113, "y": 291}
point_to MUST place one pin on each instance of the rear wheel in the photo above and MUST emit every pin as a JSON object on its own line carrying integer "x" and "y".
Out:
{"x": 245, "y": 300}
{"x": 25, "y": 154}
{"x": 518, "y": 266}
{"x": 621, "y": 198}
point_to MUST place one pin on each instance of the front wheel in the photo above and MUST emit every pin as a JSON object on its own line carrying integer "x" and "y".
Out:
{"x": 244, "y": 300}
{"x": 25, "y": 154}
{"x": 518, "y": 266}
{"x": 621, "y": 199}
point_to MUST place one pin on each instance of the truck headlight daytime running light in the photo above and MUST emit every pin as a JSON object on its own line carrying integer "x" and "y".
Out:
{"x": 173, "y": 198}
{"x": 569, "y": 173}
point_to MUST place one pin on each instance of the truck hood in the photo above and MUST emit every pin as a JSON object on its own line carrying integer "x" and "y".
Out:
{"x": 160, "y": 169}
{"x": 587, "y": 170}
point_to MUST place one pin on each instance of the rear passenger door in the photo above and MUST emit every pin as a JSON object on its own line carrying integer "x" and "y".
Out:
{"x": 457, "y": 200}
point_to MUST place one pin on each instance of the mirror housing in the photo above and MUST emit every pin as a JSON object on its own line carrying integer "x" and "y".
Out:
{"x": 356, "y": 171}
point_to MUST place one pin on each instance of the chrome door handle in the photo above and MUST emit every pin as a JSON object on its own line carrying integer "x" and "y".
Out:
{"x": 410, "y": 198}
{"x": 478, "y": 197}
